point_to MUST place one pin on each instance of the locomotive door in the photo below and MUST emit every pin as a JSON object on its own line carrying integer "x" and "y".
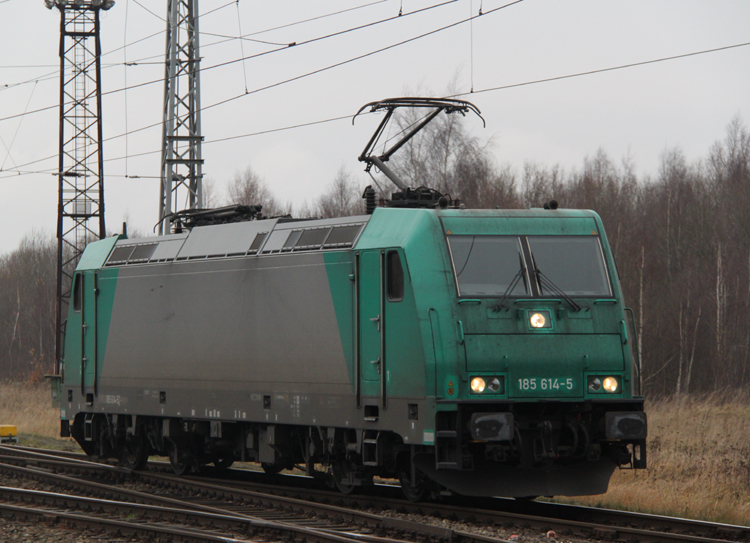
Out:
{"x": 89, "y": 341}
{"x": 370, "y": 324}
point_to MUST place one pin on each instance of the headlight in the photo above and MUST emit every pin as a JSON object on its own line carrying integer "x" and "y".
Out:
{"x": 610, "y": 384}
{"x": 600, "y": 385}
{"x": 494, "y": 384}
{"x": 538, "y": 320}
{"x": 487, "y": 385}
{"x": 477, "y": 385}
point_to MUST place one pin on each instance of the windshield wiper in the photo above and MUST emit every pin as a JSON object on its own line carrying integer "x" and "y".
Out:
{"x": 501, "y": 303}
{"x": 547, "y": 284}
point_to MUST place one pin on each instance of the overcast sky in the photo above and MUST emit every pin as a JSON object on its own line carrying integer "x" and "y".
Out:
{"x": 638, "y": 111}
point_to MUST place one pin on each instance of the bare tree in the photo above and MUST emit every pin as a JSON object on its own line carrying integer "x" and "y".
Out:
{"x": 343, "y": 198}
{"x": 27, "y": 307}
{"x": 210, "y": 196}
{"x": 248, "y": 188}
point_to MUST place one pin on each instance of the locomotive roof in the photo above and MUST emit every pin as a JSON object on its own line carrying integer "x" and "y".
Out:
{"x": 395, "y": 227}
{"x": 238, "y": 239}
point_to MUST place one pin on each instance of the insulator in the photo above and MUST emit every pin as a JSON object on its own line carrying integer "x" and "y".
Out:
{"x": 369, "y": 196}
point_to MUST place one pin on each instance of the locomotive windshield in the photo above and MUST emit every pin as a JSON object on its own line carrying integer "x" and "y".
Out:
{"x": 487, "y": 265}
{"x": 574, "y": 264}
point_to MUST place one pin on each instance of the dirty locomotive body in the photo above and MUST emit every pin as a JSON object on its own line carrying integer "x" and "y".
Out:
{"x": 487, "y": 352}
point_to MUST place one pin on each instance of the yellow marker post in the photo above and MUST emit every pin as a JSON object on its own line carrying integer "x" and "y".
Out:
{"x": 8, "y": 433}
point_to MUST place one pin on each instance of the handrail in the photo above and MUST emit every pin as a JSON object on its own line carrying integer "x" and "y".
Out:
{"x": 637, "y": 354}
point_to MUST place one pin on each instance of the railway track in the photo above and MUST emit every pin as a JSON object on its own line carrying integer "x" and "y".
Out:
{"x": 583, "y": 522}
{"x": 379, "y": 514}
{"x": 239, "y": 513}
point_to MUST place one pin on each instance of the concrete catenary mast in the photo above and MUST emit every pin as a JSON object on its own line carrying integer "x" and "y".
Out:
{"x": 80, "y": 215}
{"x": 182, "y": 161}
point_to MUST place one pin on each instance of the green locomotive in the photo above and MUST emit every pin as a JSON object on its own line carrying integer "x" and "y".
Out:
{"x": 488, "y": 352}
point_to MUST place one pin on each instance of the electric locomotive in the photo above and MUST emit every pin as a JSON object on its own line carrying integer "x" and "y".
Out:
{"x": 487, "y": 352}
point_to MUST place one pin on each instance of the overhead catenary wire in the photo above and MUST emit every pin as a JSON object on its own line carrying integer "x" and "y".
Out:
{"x": 287, "y": 46}
{"x": 53, "y": 171}
{"x": 490, "y": 89}
{"x": 342, "y": 32}
{"x": 125, "y": 79}
{"x": 471, "y": 43}
{"x": 602, "y": 70}
{"x": 56, "y": 74}
{"x": 313, "y": 40}
{"x": 289, "y": 80}
{"x": 247, "y": 36}
{"x": 209, "y": 12}
{"x": 162, "y": 19}
{"x": 242, "y": 45}
{"x": 15, "y": 134}
{"x": 579, "y": 74}
{"x": 356, "y": 58}
{"x": 314, "y": 18}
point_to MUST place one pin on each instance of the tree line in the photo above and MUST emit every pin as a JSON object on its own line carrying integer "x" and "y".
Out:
{"x": 681, "y": 239}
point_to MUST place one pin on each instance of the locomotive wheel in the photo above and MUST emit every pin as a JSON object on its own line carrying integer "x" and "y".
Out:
{"x": 135, "y": 451}
{"x": 102, "y": 436}
{"x": 417, "y": 490}
{"x": 271, "y": 469}
{"x": 223, "y": 462}
{"x": 338, "y": 473}
{"x": 180, "y": 461}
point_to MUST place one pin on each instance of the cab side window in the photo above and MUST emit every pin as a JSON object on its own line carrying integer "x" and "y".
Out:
{"x": 77, "y": 293}
{"x": 395, "y": 276}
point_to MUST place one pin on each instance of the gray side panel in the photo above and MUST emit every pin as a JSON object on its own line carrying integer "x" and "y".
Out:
{"x": 167, "y": 250}
{"x": 250, "y": 320}
{"x": 223, "y": 239}
{"x": 338, "y": 221}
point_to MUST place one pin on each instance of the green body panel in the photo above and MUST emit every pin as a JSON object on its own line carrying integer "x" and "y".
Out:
{"x": 86, "y": 331}
{"x": 555, "y": 367}
{"x": 542, "y": 226}
{"x": 500, "y": 352}
{"x": 465, "y": 337}
{"x": 370, "y": 322}
{"x": 340, "y": 271}
{"x": 96, "y": 253}
{"x": 406, "y": 364}
{"x": 419, "y": 233}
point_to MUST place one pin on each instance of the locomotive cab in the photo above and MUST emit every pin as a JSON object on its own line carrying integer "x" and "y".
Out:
{"x": 537, "y": 392}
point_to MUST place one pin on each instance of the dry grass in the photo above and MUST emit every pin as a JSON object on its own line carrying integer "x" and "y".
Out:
{"x": 29, "y": 408}
{"x": 698, "y": 453}
{"x": 698, "y": 458}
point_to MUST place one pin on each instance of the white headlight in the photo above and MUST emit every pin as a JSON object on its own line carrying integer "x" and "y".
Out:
{"x": 477, "y": 385}
{"x": 610, "y": 384}
{"x": 494, "y": 384}
{"x": 595, "y": 384}
{"x": 538, "y": 320}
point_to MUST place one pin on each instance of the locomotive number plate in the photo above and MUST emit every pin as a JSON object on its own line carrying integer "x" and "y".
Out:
{"x": 546, "y": 383}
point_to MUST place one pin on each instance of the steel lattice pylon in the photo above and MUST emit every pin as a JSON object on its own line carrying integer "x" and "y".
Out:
{"x": 80, "y": 217}
{"x": 182, "y": 162}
